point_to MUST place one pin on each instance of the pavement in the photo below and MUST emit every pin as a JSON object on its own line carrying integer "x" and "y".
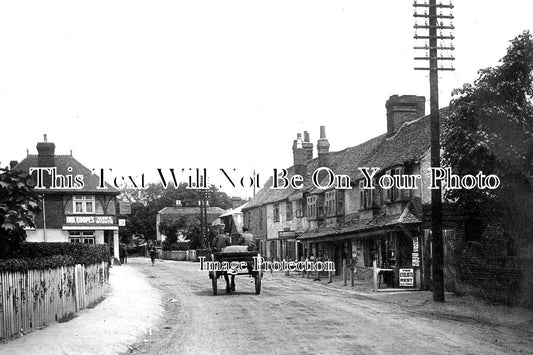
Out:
{"x": 129, "y": 310}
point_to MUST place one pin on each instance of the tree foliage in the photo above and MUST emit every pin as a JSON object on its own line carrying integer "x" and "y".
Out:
{"x": 145, "y": 204}
{"x": 490, "y": 129}
{"x": 18, "y": 206}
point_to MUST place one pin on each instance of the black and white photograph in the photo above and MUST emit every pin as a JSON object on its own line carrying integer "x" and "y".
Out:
{"x": 266, "y": 177}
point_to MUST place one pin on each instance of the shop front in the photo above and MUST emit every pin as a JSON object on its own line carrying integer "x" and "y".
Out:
{"x": 93, "y": 229}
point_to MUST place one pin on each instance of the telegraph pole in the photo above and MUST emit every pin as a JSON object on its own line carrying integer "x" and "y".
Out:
{"x": 433, "y": 22}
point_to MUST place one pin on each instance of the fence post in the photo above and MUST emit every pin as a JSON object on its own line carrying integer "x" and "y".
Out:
{"x": 375, "y": 274}
{"x": 344, "y": 271}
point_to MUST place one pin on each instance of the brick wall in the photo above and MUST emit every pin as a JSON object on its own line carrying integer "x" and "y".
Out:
{"x": 54, "y": 213}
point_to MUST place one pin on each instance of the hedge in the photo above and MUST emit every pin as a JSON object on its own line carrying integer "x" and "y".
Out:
{"x": 51, "y": 255}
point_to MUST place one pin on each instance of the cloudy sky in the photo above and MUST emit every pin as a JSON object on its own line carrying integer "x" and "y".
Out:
{"x": 140, "y": 85}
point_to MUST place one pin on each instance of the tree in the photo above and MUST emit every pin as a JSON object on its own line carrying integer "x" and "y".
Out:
{"x": 18, "y": 206}
{"x": 490, "y": 129}
{"x": 145, "y": 204}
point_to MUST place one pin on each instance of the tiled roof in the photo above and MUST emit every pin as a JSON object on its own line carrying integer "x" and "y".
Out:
{"x": 62, "y": 163}
{"x": 352, "y": 224}
{"x": 408, "y": 144}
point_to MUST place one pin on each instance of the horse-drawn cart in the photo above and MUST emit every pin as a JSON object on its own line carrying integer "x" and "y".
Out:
{"x": 232, "y": 263}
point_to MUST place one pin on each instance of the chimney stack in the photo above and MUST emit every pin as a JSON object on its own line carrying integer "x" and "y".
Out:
{"x": 299, "y": 155}
{"x": 323, "y": 148}
{"x": 308, "y": 146}
{"x": 45, "y": 152}
{"x": 401, "y": 109}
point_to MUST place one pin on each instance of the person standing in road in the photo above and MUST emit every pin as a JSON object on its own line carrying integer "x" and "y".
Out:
{"x": 153, "y": 254}
{"x": 247, "y": 239}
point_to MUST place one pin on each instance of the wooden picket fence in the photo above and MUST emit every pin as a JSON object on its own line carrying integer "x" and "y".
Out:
{"x": 34, "y": 298}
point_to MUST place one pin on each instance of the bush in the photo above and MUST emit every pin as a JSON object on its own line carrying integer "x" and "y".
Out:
{"x": 51, "y": 255}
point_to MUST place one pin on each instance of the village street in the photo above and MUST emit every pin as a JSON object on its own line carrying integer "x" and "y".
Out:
{"x": 293, "y": 315}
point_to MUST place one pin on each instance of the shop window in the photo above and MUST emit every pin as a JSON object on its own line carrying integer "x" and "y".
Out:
{"x": 85, "y": 237}
{"x": 276, "y": 212}
{"x": 369, "y": 252}
{"x": 83, "y": 204}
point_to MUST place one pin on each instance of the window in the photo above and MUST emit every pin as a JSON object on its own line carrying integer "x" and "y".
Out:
{"x": 395, "y": 193}
{"x": 288, "y": 212}
{"x": 366, "y": 196}
{"x": 260, "y": 218}
{"x": 331, "y": 201}
{"x": 85, "y": 237}
{"x": 387, "y": 193}
{"x": 83, "y": 204}
{"x": 340, "y": 202}
{"x": 276, "y": 212}
{"x": 311, "y": 207}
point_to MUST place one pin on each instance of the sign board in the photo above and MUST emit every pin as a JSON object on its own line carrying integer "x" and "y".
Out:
{"x": 415, "y": 244}
{"x": 124, "y": 208}
{"x": 416, "y": 255}
{"x": 286, "y": 234}
{"x": 407, "y": 277}
{"x": 122, "y": 222}
{"x": 90, "y": 220}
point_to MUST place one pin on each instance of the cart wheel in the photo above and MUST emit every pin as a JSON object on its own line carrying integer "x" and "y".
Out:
{"x": 214, "y": 283}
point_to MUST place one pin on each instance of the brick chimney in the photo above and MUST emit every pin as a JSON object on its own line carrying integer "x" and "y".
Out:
{"x": 401, "y": 109}
{"x": 323, "y": 148}
{"x": 308, "y": 146}
{"x": 45, "y": 152}
{"x": 299, "y": 155}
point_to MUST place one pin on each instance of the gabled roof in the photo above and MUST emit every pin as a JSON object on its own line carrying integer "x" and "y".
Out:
{"x": 190, "y": 210}
{"x": 233, "y": 211}
{"x": 408, "y": 144}
{"x": 63, "y": 163}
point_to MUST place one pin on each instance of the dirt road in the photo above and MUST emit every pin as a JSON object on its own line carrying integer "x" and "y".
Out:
{"x": 299, "y": 317}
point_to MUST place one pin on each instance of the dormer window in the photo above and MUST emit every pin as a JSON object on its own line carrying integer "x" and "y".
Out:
{"x": 334, "y": 203}
{"x": 83, "y": 204}
{"x": 366, "y": 196}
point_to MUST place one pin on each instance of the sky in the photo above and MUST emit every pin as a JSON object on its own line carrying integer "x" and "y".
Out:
{"x": 134, "y": 86}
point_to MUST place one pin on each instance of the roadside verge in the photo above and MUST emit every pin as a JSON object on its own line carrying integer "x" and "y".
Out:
{"x": 129, "y": 310}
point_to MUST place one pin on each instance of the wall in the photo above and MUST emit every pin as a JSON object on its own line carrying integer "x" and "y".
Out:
{"x": 52, "y": 235}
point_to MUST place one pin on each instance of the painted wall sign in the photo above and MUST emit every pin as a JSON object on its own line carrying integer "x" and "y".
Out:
{"x": 90, "y": 220}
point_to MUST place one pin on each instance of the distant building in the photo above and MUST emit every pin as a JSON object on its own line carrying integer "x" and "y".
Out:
{"x": 69, "y": 214}
{"x": 170, "y": 214}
